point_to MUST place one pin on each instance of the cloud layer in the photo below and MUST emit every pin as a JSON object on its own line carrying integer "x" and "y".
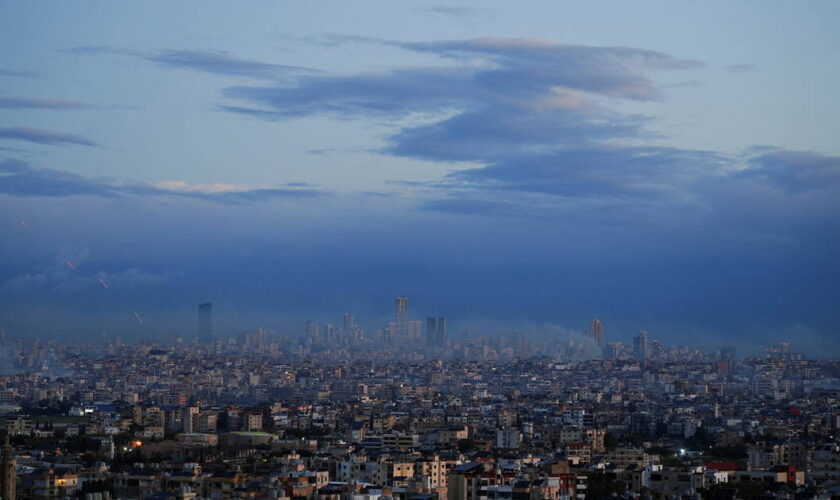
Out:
{"x": 41, "y": 103}
{"x": 216, "y": 62}
{"x": 44, "y": 136}
{"x": 530, "y": 127}
{"x": 19, "y": 179}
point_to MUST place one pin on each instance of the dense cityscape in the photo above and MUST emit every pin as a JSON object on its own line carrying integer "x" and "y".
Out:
{"x": 406, "y": 412}
{"x": 419, "y": 250}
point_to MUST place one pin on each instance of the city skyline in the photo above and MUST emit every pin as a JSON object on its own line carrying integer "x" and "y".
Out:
{"x": 667, "y": 168}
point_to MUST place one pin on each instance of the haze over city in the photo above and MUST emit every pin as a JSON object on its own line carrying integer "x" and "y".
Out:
{"x": 662, "y": 166}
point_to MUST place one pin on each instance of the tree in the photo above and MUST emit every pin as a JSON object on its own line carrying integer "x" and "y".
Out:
{"x": 701, "y": 440}
{"x": 747, "y": 490}
{"x": 465, "y": 445}
{"x": 600, "y": 485}
{"x": 661, "y": 429}
{"x": 736, "y": 452}
{"x": 610, "y": 441}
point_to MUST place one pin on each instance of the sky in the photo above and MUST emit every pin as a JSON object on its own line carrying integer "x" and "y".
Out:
{"x": 666, "y": 166}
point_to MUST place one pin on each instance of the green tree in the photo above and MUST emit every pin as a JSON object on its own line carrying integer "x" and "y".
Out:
{"x": 746, "y": 490}
{"x": 602, "y": 486}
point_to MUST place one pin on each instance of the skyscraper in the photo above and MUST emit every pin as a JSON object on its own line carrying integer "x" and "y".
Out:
{"x": 612, "y": 350}
{"x": 328, "y": 331}
{"x": 205, "y": 323}
{"x": 313, "y": 332}
{"x": 641, "y": 350}
{"x": 349, "y": 323}
{"x": 436, "y": 331}
{"x": 596, "y": 331}
{"x": 402, "y": 309}
{"x": 351, "y": 331}
{"x": 401, "y": 329}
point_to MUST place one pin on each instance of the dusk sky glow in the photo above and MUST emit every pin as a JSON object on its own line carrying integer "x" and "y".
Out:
{"x": 672, "y": 167}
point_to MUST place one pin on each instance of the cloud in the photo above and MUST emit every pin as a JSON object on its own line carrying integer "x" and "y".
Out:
{"x": 58, "y": 278}
{"x": 393, "y": 94}
{"x": 43, "y": 136}
{"x": 14, "y": 150}
{"x": 207, "y": 61}
{"x": 596, "y": 172}
{"x": 741, "y": 68}
{"x": 536, "y": 75}
{"x": 531, "y": 129}
{"x": 505, "y": 132}
{"x": 213, "y": 188}
{"x": 17, "y": 74}
{"x": 529, "y": 115}
{"x": 793, "y": 171}
{"x": 457, "y": 11}
{"x": 222, "y": 63}
{"x": 102, "y": 49}
{"x": 225, "y": 192}
{"x": 18, "y": 178}
{"x": 533, "y": 65}
{"x": 42, "y": 103}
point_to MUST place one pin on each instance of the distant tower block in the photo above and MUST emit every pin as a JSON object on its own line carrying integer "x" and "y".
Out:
{"x": 402, "y": 309}
{"x": 596, "y": 331}
{"x": 641, "y": 349}
{"x": 205, "y": 323}
{"x": 436, "y": 331}
{"x": 349, "y": 323}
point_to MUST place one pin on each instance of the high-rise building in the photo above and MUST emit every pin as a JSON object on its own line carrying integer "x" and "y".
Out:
{"x": 436, "y": 331}
{"x": 612, "y": 350}
{"x": 401, "y": 329}
{"x": 313, "y": 332}
{"x": 205, "y": 323}
{"x": 329, "y": 333}
{"x": 596, "y": 331}
{"x": 641, "y": 349}
{"x": 349, "y": 323}
{"x": 351, "y": 331}
{"x": 401, "y": 309}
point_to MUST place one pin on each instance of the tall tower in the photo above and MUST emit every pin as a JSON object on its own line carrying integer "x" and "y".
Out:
{"x": 8, "y": 474}
{"x": 402, "y": 310}
{"x": 205, "y": 323}
{"x": 596, "y": 331}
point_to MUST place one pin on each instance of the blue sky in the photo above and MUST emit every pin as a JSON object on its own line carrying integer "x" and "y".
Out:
{"x": 664, "y": 166}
